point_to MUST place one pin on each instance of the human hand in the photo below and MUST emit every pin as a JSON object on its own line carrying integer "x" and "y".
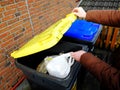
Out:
{"x": 80, "y": 12}
{"x": 77, "y": 55}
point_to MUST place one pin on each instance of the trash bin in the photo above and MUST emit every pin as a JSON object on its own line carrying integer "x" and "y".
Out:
{"x": 28, "y": 65}
{"x": 84, "y": 32}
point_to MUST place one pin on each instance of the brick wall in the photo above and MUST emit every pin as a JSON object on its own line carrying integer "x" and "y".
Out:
{"x": 19, "y": 22}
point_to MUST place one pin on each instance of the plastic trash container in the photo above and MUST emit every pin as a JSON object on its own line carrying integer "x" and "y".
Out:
{"x": 29, "y": 63}
{"x": 82, "y": 31}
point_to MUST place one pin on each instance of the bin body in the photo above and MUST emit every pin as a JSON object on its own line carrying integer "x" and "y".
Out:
{"x": 28, "y": 65}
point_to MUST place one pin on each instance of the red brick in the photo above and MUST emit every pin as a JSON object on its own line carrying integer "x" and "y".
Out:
{"x": 10, "y": 36}
{"x": 12, "y": 6}
{"x": 30, "y": 1}
{"x": 7, "y": 18}
{"x": 3, "y": 71}
{"x": 24, "y": 16}
{"x": 1, "y": 9}
{"x": 24, "y": 12}
{"x": 10, "y": 49}
{"x": 19, "y": 0}
{"x": 18, "y": 31}
{"x": 12, "y": 60}
{"x": 2, "y": 35}
{"x": 1, "y": 15}
{"x": 9, "y": 12}
{"x": 11, "y": 1}
{"x": 7, "y": 2}
{"x": 3, "y": 3}
{"x": 1, "y": 87}
{"x": 5, "y": 43}
{"x": 21, "y": 41}
{"x": 22, "y": 8}
{"x": 7, "y": 86}
{"x": 26, "y": 24}
{"x": 3, "y": 24}
{"x": 15, "y": 29}
{"x": 12, "y": 81}
{"x": 2, "y": 65}
{"x": 22, "y": 3}
{"x": 8, "y": 74}
{"x": 34, "y": 11}
{"x": 16, "y": 24}
{"x": 18, "y": 36}
{"x": 14, "y": 20}
{"x": 2, "y": 57}
{"x": 28, "y": 35}
{"x": 1, "y": 50}
{"x": 18, "y": 70}
{"x": 7, "y": 28}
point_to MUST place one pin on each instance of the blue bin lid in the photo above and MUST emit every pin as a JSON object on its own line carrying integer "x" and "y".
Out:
{"x": 83, "y": 30}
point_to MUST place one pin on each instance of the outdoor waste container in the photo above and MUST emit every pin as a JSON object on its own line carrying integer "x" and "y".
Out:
{"x": 28, "y": 65}
{"x": 48, "y": 43}
{"x": 84, "y": 32}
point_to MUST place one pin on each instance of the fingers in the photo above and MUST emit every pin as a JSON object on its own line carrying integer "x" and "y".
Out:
{"x": 75, "y": 13}
{"x": 79, "y": 11}
{"x": 77, "y": 55}
{"x": 75, "y": 10}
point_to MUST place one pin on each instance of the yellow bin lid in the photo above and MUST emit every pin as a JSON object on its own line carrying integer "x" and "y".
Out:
{"x": 47, "y": 38}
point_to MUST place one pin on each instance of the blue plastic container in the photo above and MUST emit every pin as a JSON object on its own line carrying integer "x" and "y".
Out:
{"x": 83, "y": 30}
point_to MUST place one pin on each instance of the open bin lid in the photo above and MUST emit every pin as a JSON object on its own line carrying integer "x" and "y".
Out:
{"x": 46, "y": 39}
{"x": 83, "y": 30}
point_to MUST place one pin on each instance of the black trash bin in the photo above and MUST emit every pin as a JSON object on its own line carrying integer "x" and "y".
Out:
{"x": 28, "y": 65}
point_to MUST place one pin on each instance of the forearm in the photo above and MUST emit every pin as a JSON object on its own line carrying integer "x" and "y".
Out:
{"x": 101, "y": 70}
{"x": 105, "y": 17}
